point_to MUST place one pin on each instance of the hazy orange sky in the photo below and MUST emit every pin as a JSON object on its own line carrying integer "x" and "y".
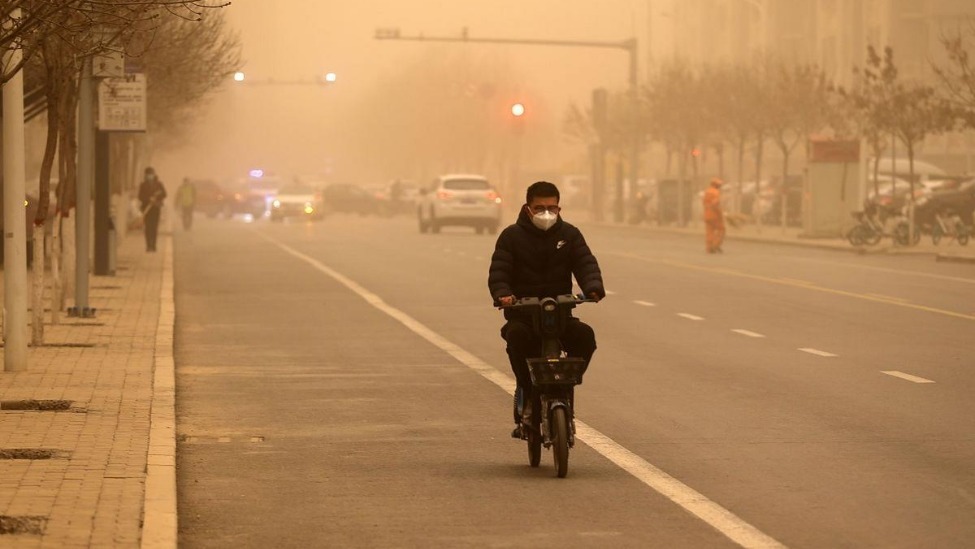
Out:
{"x": 297, "y": 128}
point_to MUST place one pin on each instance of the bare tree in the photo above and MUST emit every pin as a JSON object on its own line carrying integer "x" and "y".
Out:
{"x": 177, "y": 88}
{"x": 913, "y": 110}
{"x": 674, "y": 99}
{"x": 798, "y": 106}
{"x": 89, "y": 25}
{"x": 958, "y": 76}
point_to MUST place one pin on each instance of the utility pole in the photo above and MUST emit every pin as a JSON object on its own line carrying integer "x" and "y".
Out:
{"x": 86, "y": 174}
{"x": 630, "y": 46}
{"x": 14, "y": 215}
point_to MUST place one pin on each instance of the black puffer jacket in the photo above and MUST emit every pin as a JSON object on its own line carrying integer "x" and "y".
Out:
{"x": 529, "y": 262}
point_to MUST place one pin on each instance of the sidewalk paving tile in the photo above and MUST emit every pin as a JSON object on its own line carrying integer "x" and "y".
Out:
{"x": 91, "y": 491}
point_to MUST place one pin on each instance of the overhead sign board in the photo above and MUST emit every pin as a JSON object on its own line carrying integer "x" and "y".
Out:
{"x": 122, "y": 104}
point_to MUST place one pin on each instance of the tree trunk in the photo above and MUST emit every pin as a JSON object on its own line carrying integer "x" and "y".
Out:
{"x": 911, "y": 200}
{"x": 760, "y": 148}
{"x": 43, "y": 203}
{"x": 37, "y": 289}
{"x": 785, "y": 194}
{"x": 741, "y": 174}
{"x": 57, "y": 295}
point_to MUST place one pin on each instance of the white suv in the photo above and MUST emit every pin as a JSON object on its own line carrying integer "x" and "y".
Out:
{"x": 459, "y": 199}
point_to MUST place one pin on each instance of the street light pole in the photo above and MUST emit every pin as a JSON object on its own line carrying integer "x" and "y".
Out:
{"x": 15, "y": 215}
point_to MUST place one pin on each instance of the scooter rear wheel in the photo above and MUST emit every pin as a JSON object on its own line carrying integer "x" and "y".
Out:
{"x": 560, "y": 441}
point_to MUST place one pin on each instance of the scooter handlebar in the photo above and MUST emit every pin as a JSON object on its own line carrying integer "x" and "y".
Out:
{"x": 522, "y": 302}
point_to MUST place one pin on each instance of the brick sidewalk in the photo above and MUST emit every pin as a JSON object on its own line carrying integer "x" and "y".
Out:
{"x": 76, "y": 475}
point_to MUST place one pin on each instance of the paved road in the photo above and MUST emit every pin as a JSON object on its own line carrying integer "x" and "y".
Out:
{"x": 338, "y": 385}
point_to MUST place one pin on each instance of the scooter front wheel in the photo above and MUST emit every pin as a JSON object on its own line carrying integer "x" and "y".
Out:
{"x": 560, "y": 441}
{"x": 534, "y": 448}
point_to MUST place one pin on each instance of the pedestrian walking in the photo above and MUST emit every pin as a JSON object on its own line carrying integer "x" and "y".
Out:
{"x": 186, "y": 201}
{"x": 152, "y": 193}
{"x": 713, "y": 217}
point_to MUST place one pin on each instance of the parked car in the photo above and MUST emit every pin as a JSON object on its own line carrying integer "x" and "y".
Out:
{"x": 296, "y": 200}
{"x": 211, "y": 200}
{"x": 349, "y": 198}
{"x": 459, "y": 199}
{"x": 396, "y": 198}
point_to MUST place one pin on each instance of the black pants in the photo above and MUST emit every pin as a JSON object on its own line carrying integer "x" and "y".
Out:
{"x": 578, "y": 340}
{"x": 152, "y": 228}
{"x": 187, "y": 217}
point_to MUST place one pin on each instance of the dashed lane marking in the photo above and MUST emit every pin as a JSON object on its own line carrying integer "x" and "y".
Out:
{"x": 816, "y": 352}
{"x": 908, "y": 377}
{"x": 811, "y": 287}
{"x": 747, "y": 333}
{"x": 610, "y": 292}
{"x": 645, "y": 303}
{"x": 689, "y": 316}
{"x": 692, "y": 501}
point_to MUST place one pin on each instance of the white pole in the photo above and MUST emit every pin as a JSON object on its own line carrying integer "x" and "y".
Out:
{"x": 15, "y": 217}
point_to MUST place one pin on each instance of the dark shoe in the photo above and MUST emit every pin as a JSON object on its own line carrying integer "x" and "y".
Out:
{"x": 517, "y": 433}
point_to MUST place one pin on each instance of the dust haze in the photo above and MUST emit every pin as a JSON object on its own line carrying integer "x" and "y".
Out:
{"x": 374, "y": 122}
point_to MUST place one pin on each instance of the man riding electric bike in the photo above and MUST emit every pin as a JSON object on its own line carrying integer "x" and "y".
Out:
{"x": 537, "y": 257}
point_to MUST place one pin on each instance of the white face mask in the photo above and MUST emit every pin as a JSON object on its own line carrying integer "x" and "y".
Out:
{"x": 544, "y": 220}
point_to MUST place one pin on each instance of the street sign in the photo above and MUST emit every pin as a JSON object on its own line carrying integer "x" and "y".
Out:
{"x": 122, "y": 104}
{"x": 828, "y": 150}
{"x": 109, "y": 64}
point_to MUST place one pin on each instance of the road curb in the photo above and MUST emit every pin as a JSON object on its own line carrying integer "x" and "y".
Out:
{"x": 159, "y": 528}
{"x": 950, "y": 258}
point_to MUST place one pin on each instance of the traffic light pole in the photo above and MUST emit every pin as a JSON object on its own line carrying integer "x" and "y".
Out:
{"x": 629, "y": 45}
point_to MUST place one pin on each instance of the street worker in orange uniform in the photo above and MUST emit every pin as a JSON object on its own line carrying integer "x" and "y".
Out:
{"x": 713, "y": 217}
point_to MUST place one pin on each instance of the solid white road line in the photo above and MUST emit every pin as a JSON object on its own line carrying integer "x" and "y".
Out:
{"x": 816, "y": 352}
{"x": 908, "y": 377}
{"x": 747, "y": 333}
{"x": 719, "y": 518}
{"x": 689, "y": 316}
{"x": 645, "y": 303}
{"x": 797, "y": 281}
{"x": 890, "y": 298}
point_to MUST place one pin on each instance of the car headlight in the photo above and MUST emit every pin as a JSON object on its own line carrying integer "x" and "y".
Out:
{"x": 276, "y": 203}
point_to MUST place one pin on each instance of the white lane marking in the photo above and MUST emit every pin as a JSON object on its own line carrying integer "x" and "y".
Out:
{"x": 689, "y": 316}
{"x": 719, "y": 518}
{"x": 645, "y": 303}
{"x": 610, "y": 292}
{"x": 816, "y": 352}
{"x": 747, "y": 333}
{"x": 908, "y": 377}
{"x": 890, "y": 298}
{"x": 797, "y": 281}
